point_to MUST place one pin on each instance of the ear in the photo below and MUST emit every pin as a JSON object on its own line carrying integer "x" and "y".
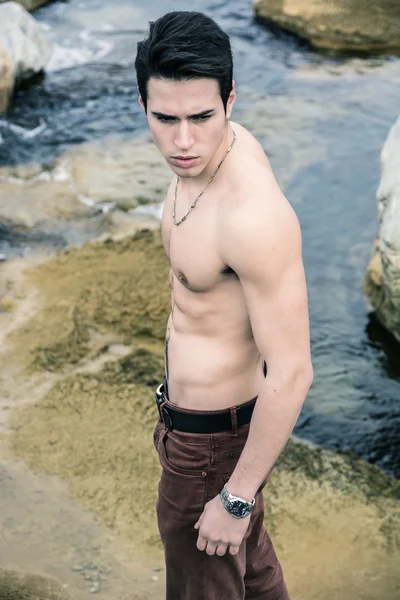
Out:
{"x": 140, "y": 100}
{"x": 231, "y": 101}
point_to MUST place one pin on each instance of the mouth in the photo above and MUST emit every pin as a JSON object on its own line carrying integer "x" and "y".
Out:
{"x": 185, "y": 161}
{"x": 184, "y": 157}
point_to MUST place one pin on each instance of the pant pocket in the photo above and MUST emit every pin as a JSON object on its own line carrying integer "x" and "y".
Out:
{"x": 182, "y": 459}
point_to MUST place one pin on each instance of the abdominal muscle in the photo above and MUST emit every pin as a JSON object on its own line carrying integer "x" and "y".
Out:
{"x": 211, "y": 366}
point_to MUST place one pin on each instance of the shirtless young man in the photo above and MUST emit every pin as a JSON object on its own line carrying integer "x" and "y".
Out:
{"x": 238, "y": 297}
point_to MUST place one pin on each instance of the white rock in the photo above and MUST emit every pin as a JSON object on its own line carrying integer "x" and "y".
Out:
{"x": 389, "y": 187}
{"x": 389, "y": 245}
{"x": 23, "y": 42}
{"x": 382, "y": 283}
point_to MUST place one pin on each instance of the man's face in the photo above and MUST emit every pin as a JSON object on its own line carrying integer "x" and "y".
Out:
{"x": 187, "y": 121}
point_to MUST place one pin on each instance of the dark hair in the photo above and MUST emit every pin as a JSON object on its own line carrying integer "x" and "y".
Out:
{"x": 185, "y": 45}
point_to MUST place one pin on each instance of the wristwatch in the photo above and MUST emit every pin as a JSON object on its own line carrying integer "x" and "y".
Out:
{"x": 237, "y": 507}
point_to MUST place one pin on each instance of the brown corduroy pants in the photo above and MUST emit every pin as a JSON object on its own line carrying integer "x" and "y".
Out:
{"x": 195, "y": 467}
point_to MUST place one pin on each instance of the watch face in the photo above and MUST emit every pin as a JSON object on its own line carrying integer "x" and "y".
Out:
{"x": 239, "y": 508}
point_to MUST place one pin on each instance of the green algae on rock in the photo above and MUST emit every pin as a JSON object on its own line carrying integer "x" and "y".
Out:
{"x": 97, "y": 435}
{"x": 140, "y": 366}
{"x": 28, "y": 586}
{"x": 344, "y": 471}
{"x": 338, "y": 25}
{"x": 330, "y": 541}
{"x": 115, "y": 289}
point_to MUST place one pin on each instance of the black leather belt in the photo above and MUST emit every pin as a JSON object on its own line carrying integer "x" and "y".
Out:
{"x": 200, "y": 422}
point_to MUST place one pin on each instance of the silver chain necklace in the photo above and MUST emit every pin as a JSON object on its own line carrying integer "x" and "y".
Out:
{"x": 205, "y": 187}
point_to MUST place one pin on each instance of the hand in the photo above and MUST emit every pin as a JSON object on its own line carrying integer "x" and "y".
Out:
{"x": 218, "y": 529}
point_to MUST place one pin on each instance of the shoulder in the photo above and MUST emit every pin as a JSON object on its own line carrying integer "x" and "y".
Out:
{"x": 252, "y": 182}
{"x": 263, "y": 206}
{"x": 261, "y": 225}
{"x": 249, "y": 154}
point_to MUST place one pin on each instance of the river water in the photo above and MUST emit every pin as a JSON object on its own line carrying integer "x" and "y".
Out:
{"x": 322, "y": 122}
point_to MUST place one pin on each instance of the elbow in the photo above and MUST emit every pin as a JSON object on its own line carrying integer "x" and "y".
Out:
{"x": 308, "y": 374}
{"x": 301, "y": 379}
{"x": 304, "y": 376}
{"x": 295, "y": 378}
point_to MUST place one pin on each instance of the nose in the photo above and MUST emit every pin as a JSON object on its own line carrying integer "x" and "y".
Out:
{"x": 184, "y": 139}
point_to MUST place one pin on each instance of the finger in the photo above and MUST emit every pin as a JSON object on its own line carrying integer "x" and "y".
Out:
{"x": 221, "y": 549}
{"x": 211, "y": 547}
{"x": 234, "y": 549}
{"x": 201, "y": 543}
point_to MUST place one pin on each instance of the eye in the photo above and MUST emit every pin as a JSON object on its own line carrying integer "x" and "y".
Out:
{"x": 166, "y": 119}
{"x": 202, "y": 118}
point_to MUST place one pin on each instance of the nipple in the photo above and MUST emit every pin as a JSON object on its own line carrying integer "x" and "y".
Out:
{"x": 182, "y": 277}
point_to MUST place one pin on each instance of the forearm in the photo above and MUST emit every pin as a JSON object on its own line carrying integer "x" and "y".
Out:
{"x": 274, "y": 417}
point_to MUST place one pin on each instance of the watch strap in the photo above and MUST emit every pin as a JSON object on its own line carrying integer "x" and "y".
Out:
{"x": 236, "y": 506}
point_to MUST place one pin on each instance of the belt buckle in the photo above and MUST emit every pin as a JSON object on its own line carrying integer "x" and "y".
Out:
{"x": 159, "y": 392}
{"x": 166, "y": 417}
{"x": 162, "y": 409}
{"x": 159, "y": 398}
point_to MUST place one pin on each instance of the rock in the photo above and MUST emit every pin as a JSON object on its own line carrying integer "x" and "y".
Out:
{"x": 127, "y": 172}
{"x": 338, "y": 25}
{"x": 6, "y": 78}
{"x": 37, "y": 204}
{"x": 95, "y": 587}
{"x": 24, "y": 50}
{"x": 382, "y": 282}
{"x": 90, "y": 190}
{"x": 44, "y": 212}
{"x": 29, "y": 5}
{"x": 20, "y": 586}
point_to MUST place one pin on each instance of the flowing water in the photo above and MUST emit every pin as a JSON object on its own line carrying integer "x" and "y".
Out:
{"x": 322, "y": 122}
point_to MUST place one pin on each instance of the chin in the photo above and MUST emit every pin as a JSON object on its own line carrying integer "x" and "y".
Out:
{"x": 187, "y": 173}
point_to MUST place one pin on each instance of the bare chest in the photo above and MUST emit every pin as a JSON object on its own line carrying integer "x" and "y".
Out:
{"x": 193, "y": 246}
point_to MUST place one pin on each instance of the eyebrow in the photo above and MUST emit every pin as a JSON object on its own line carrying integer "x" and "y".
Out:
{"x": 204, "y": 113}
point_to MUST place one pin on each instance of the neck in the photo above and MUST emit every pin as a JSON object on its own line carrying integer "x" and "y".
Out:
{"x": 202, "y": 179}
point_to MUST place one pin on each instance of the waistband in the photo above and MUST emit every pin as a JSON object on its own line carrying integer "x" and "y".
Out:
{"x": 199, "y": 421}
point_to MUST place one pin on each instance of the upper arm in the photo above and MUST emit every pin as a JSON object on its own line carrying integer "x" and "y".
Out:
{"x": 264, "y": 249}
